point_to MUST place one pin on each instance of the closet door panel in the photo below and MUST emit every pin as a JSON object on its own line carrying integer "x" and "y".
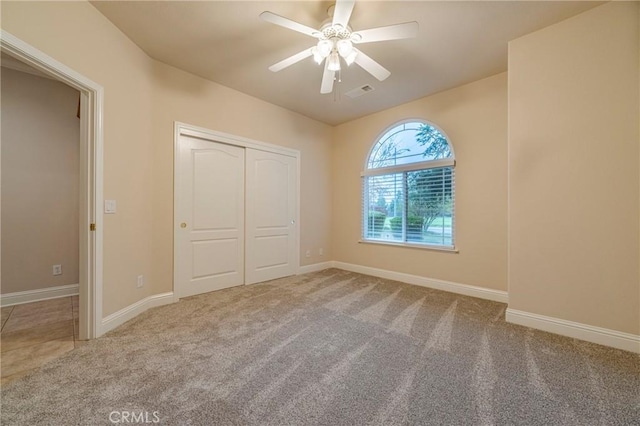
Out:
{"x": 210, "y": 216}
{"x": 271, "y": 216}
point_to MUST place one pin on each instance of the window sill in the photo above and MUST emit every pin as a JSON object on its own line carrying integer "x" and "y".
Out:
{"x": 446, "y": 249}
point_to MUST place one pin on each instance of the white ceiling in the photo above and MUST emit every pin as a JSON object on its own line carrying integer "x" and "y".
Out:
{"x": 225, "y": 41}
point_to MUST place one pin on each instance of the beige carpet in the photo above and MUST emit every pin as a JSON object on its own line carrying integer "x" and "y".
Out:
{"x": 330, "y": 348}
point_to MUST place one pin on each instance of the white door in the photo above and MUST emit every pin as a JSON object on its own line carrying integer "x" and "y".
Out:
{"x": 271, "y": 196}
{"x": 209, "y": 217}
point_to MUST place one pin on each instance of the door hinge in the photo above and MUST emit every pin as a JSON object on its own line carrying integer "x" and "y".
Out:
{"x": 92, "y": 227}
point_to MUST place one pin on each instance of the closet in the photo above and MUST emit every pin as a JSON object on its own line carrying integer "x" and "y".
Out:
{"x": 236, "y": 208}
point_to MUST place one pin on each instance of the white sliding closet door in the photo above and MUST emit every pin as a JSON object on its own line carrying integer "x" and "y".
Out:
{"x": 210, "y": 216}
{"x": 271, "y": 213}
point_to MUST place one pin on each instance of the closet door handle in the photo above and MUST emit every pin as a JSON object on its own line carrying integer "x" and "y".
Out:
{"x": 183, "y": 225}
{"x": 293, "y": 221}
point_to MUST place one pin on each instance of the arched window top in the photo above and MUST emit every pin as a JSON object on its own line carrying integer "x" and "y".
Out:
{"x": 409, "y": 142}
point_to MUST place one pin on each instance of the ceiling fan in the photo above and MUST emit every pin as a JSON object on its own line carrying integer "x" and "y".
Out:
{"x": 336, "y": 40}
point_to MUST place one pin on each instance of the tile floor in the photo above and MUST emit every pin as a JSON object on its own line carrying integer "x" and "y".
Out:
{"x": 35, "y": 333}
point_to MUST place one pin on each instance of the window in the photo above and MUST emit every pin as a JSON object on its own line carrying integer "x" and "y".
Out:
{"x": 408, "y": 188}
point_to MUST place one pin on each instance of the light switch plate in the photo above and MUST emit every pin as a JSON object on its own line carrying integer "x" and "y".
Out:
{"x": 109, "y": 206}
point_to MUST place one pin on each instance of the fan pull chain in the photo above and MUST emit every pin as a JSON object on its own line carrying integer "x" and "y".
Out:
{"x": 338, "y": 79}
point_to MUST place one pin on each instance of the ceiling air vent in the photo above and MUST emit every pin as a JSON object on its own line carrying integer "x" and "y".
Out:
{"x": 359, "y": 91}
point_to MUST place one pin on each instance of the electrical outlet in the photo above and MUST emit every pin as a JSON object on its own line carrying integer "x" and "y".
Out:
{"x": 321, "y": 251}
{"x": 308, "y": 254}
{"x": 57, "y": 269}
{"x": 140, "y": 281}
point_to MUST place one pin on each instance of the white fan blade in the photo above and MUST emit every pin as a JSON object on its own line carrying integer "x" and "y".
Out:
{"x": 288, "y": 23}
{"x": 327, "y": 79}
{"x": 371, "y": 66}
{"x": 342, "y": 12}
{"x": 391, "y": 32}
{"x": 291, "y": 60}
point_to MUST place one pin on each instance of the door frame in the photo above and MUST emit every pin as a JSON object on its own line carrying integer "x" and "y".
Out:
{"x": 183, "y": 129}
{"x": 91, "y": 176}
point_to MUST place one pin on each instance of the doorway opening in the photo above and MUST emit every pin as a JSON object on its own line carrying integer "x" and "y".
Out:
{"x": 90, "y": 177}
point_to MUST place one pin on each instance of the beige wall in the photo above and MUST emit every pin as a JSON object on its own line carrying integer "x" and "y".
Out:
{"x": 142, "y": 99}
{"x": 40, "y": 166}
{"x": 474, "y": 117}
{"x": 573, "y": 170}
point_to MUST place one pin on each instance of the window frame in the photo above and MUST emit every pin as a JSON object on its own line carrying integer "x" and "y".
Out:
{"x": 404, "y": 169}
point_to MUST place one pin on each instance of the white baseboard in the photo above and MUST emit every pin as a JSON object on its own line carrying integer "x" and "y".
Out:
{"x": 123, "y": 315}
{"x": 601, "y": 336}
{"x": 20, "y": 297}
{"x": 315, "y": 267}
{"x": 467, "y": 290}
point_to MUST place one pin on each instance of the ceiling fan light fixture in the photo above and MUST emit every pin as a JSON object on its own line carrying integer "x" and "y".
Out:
{"x": 317, "y": 57}
{"x": 334, "y": 62}
{"x": 344, "y": 48}
{"x": 324, "y": 48}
